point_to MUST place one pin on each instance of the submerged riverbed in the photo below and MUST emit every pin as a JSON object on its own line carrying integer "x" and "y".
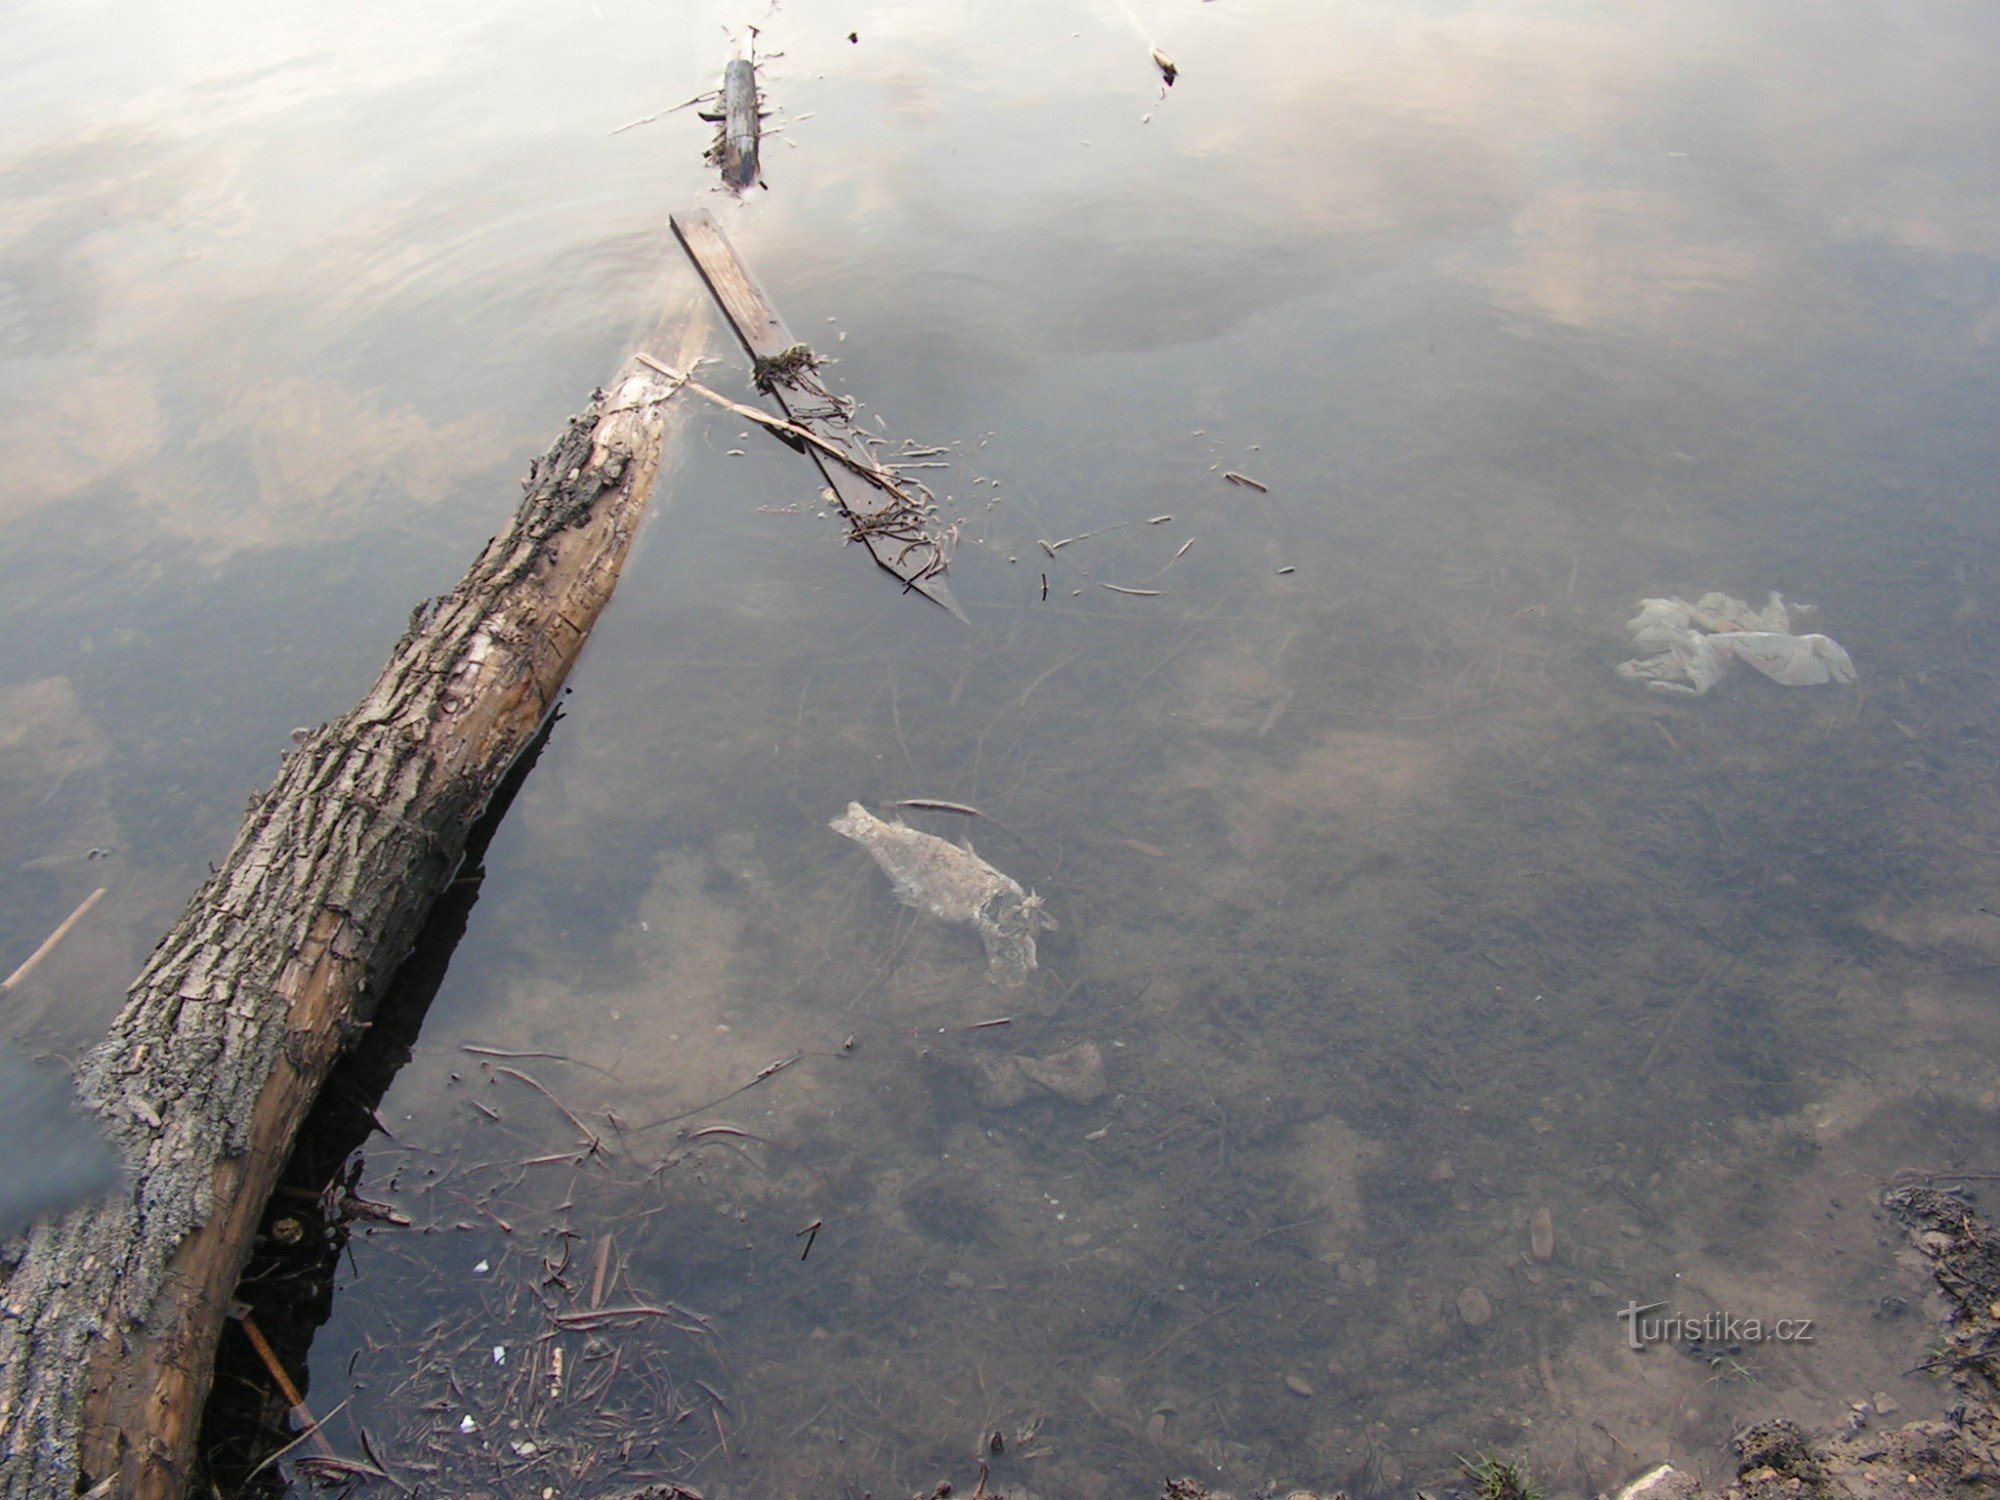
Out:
{"x": 1409, "y": 941}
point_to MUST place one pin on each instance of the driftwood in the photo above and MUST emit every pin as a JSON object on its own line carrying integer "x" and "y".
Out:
{"x": 112, "y": 1311}
{"x": 736, "y": 144}
{"x": 895, "y": 521}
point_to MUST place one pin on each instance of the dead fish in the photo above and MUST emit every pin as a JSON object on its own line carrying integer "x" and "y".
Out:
{"x": 955, "y": 885}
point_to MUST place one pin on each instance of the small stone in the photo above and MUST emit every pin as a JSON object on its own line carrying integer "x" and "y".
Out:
{"x": 1299, "y": 1386}
{"x": 1475, "y": 1310}
{"x": 1076, "y": 1074}
{"x": 1662, "y": 1483}
{"x": 1886, "y": 1404}
{"x": 1542, "y": 1235}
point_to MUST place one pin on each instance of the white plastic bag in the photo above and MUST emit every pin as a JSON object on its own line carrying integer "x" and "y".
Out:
{"x": 1696, "y": 642}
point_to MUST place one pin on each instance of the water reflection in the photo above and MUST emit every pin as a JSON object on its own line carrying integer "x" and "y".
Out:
{"x": 1395, "y": 917}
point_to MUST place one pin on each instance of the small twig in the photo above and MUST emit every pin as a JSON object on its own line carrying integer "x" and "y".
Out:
{"x": 938, "y": 804}
{"x": 588, "y": 1134}
{"x": 503, "y": 1052}
{"x": 1281, "y": 1228}
{"x": 768, "y": 1070}
{"x": 311, "y": 1434}
{"x": 597, "y": 1317}
{"x": 49, "y": 942}
{"x": 597, "y": 1277}
{"x": 1716, "y": 967}
{"x": 1614, "y": 1438}
{"x": 346, "y": 1468}
{"x": 875, "y": 474}
{"x": 659, "y": 115}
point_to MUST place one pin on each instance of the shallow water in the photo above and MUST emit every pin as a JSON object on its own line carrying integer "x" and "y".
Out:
{"x": 1394, "y": 914}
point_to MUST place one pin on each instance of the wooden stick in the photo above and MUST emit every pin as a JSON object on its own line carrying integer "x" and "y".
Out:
{"x": 876, "y": 475}
{"x": 293, "y": 1397}
{"x": 49, "y": 942}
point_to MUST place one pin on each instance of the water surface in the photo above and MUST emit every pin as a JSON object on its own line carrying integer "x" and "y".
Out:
{"x": 1394, "y": 914}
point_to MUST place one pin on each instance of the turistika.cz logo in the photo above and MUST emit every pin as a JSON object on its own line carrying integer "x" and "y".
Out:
{"x": 1648, "y": 1324}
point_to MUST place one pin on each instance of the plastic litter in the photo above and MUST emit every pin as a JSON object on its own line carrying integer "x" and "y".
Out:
{"x": 1697, "y": 642}
{"x": 955, "y": 885}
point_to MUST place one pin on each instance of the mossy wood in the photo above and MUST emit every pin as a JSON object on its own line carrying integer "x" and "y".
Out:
{"x": 111, "y": 1314}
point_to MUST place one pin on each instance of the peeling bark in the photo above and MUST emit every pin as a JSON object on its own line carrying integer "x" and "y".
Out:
{"x": 111, "y": 1313}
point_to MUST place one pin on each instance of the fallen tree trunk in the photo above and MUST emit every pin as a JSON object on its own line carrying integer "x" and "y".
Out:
{"x": 111, "y": 1314}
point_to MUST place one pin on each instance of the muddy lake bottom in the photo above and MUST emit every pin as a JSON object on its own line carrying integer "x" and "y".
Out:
{"x": 1372, "y": 982}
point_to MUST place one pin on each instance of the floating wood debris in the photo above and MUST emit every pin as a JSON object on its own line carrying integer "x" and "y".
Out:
{"x": 735, "y": 148}
{"x": 1166, "y": 66}
{"x": 1246, "y": 481}
{"x": 887, "y": 512}
{"x": 1140, "y": 593}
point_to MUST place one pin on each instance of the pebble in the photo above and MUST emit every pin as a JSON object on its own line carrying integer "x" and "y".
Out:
{"x": 1075, "y": 1074}
{"x": 1542, "y": 1234}
{"x": 1299, "y": 1387}
{"x": 1474, "y": 1308}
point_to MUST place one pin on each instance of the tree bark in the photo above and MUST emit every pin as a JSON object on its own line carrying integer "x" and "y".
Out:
{"x": 111, "y": 1313}
{"x": 740, "y": 126}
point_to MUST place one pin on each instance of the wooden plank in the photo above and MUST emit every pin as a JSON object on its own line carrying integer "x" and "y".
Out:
{"x": 764, "y": 336}
{"x": 742, "y": 301}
